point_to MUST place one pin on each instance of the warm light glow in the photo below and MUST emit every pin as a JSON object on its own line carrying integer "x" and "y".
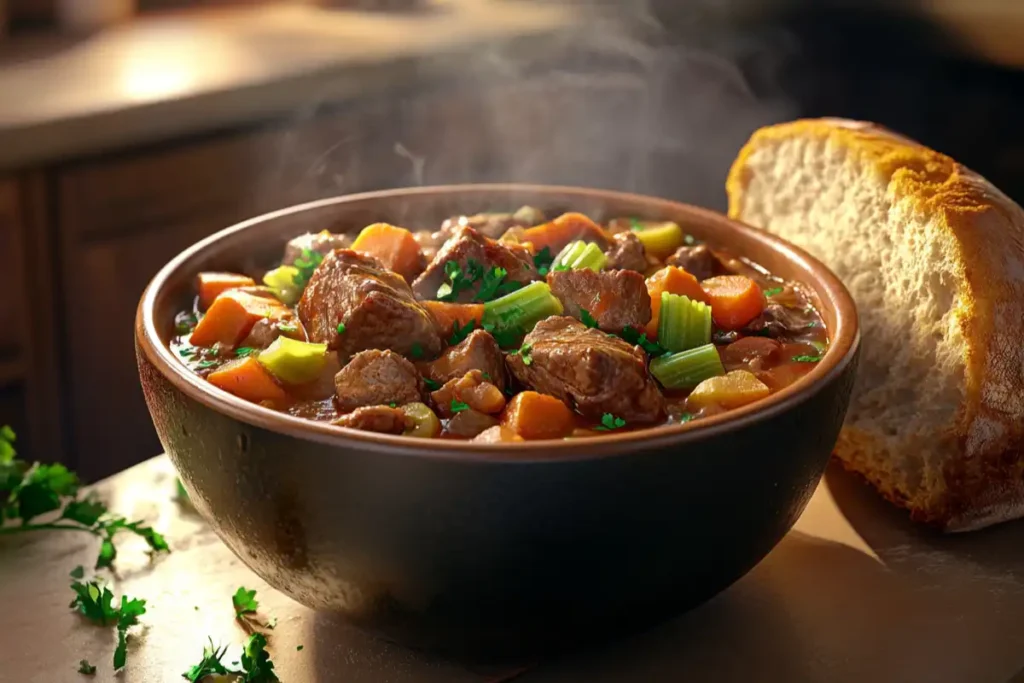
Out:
{"x": 154, "y": 76}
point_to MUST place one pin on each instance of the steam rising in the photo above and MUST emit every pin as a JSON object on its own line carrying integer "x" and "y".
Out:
{"x": 624, "y": 99}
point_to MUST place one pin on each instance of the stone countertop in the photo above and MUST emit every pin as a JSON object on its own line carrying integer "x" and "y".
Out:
{"x": 191, "y": 72}
{"x": 854, "y": 593}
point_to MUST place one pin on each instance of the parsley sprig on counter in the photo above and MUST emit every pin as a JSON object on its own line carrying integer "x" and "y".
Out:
{"x": 256, "y": 665}
{"x": 30, "y": 490}
{"x": 245, "y": 602}
{"x": 96, "y": 603}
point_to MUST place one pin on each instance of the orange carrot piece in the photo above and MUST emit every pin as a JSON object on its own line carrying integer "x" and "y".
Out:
{"x": 735, "y": 300}
{"x": 538, "y": 416}
{"x": 395, "y": 247}
{"x": 211, "y": 285}
{"x": 232, "y": 315}
{"x": 674, "y": 280}
{"x": 448, "y": 315}
{"x": 568, "y": 227}
{"x": 246, "y": 378}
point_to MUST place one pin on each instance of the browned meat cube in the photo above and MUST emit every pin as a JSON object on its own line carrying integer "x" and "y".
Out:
{"x": 475, "y": 255}
{"x": 468, "y": 423}
{"x": 626, "y": 253}
{"x": 473, "y": 390}
{"x": 494, "y": 225}
{"x": 375, "y": 306}
{"x": 593, "y": 371}
{"x": 374, "y": 378}
{"x": 382, "y": 419}
{"x": 615, "y": 299}
{"x": 323, "y": 242}
{"x": 697, "y": 260}
{"x": 478, "y": 351}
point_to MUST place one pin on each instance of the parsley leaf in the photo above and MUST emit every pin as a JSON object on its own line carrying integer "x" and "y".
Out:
{"x": 306, "y": 264}
{"x": 243, "y": 351}
{"x": 587, "y": 319}
{"x": 210, "y": 664}
{"x": 505, "y": 336}
{"x": 417, "y": 351}
{"x": 85, "y": 668}
{"x": 340, "y": 328}
{"x": 686, "y": 417}
{"x": 490, "y": 285}
{"x": 806, "y": 359}
{"x": 287, "y": 328}
{"x": 636, "y": 338}
{"x": 542, "y": 261}
{"x": 206, "y": 364}
{"x": 78, "y": 572}
{"x": 460, "y": 333}
{"x": 431, "y": 384}
{"x": 458, "y": 406}
{"x": 131, "y": 610}
{"x": 524, "y": 353}
{"x": 96, "y": 604}
{"x": 256, "y": 663}
{"x": 610, "y": 422}
{"x": 244, "y": 601}
{"x": 635, "y": 225}
{"x": 773, "y": 291}
{"x": 459, "y": 279}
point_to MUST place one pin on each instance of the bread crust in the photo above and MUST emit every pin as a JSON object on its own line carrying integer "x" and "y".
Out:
{"x": 984, "y": 480}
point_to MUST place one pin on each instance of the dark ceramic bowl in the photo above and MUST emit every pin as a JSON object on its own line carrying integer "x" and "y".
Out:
{"x": 494, "y": 548}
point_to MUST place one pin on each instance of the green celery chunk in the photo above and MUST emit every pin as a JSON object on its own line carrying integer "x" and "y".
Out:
{"x": 687, "y": 369}
{"x": 282, "y": 281}
{"x": 683, "y": 323}
{"x": 511, "y": 317}
{"x": 293, "y": 361}
{"x": 578, "y": 255}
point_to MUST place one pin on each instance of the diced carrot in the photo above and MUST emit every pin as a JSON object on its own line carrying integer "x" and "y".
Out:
{"x": 497, "y": 434}
{"x": 448, "y": 315}
{"x": 232, "y": 315}
{"x": 568, "y": 227}
{"x": 538, "y": 416}
{"x": 395, "y": 247}
{"x": 735, "y": 300}
{"x": 674, "y": 280}
{"x": 246, "y": 378}
{"x": 211, "y": 285}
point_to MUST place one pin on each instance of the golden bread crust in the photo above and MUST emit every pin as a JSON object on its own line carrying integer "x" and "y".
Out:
{"x": 984, "y": 482}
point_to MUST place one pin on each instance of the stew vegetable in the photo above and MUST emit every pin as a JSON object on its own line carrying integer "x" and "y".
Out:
{"x": 502, "y": 327}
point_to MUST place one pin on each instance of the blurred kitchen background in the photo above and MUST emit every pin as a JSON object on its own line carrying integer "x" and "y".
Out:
{"x": 131, "y": 128}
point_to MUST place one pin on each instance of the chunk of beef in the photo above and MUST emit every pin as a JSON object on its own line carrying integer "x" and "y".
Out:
{"x": 382, "y": 419}
{"x": 375, "y": 305}
{"x": 374, "y": 378}
{"x": 478, "y": 351}
{"x": 467, "y": 245}
{"x": 616, "y": 299}
{"x": 474, "y": 390}
{"x": 751, "y": 353}
{"x": 593, "y": 371}
{"x": 626, "y": 253}
{"x": 494, "y": 225}
{"x": 469, "y": 423}
{"x": 697, "y": 260}
{"x": 323, "y": 242}
{"x": 782, "y": 322}
{"x": 266, "y": 330}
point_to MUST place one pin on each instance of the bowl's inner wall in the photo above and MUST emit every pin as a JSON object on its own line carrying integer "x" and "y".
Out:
{"x": 259, "y": 244}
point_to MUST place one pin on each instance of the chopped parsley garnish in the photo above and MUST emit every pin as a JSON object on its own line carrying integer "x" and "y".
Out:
{"x": 34, "y": 489}
{"x": 85, "y": 668}
{"x": 587, "y": 319}
{"x": 210, "y": 664}
{"x": 298, "y": 648}
{"x": 505, "y": 336}
{"x": 486, "y": 376}
{"x": 97, "y": 605}
{"x": 542, "y": 261}
{"x": 244, "y": 601}
{"x": 78, "y": 572}
{"x": 203, "y": 364}
{"x": 306, "y": 264}
{"x": 773, "y": 291}
{"x": 635, "y": 225}
{"x": 287, "y": 328}
{"x": 458, "y": 406}
{"x": 634, "y": 337}
{"x": 431, "y": 384}
{"x": 806, "y": 359}
{"x": 686, "y": 417}
{"x": 494, "y": 286}
{"x": 187, "y": 351}
{"x": 243, "y": 351}
{"x": 524, "y": 353}
{"x": 460, "y": 333}
{"x": 610, "y": 422}
{"x": 340, "y": 328}
{"x": 459, "y": 279}
{"x": 393, "y": 404}
{"x": 416, "y": 351}
{"x": 560, "y": 267}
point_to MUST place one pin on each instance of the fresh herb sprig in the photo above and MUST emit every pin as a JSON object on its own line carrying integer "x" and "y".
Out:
{"x": 244, "y": 601}
{"x": 306, "y": 264}
{"x": 634, "y": 337}
{"x": 806, "y": 359}
{"x": 494, "y": 285}
{"x": 256, "y": 666}
{"x": 96, "y": 603}
{"x": 524, "y": 352}
{"x": 459, "y": 279}
{"x": 31, "y": 490}
{"x": 609, "y": 422}
{"x": 773, "y": 291}
{"x": 542, "y": 261}
{"x": 460, "y": 333}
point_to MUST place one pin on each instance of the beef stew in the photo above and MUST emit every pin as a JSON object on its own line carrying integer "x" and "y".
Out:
{"x": 502, "y": 328}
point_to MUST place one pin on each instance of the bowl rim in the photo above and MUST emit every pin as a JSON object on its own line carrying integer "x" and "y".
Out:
{"x": 844, "y": 341}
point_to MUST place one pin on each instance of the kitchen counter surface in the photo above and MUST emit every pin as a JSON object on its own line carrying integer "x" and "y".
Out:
{"x": 192, "y": 72}
{"x": 854, "y": 593}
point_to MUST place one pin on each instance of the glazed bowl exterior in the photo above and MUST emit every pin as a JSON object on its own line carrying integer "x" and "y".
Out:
{"x": 494, "y": 548}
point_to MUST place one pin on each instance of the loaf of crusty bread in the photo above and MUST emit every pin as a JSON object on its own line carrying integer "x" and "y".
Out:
{"x": 934, "y": 256}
